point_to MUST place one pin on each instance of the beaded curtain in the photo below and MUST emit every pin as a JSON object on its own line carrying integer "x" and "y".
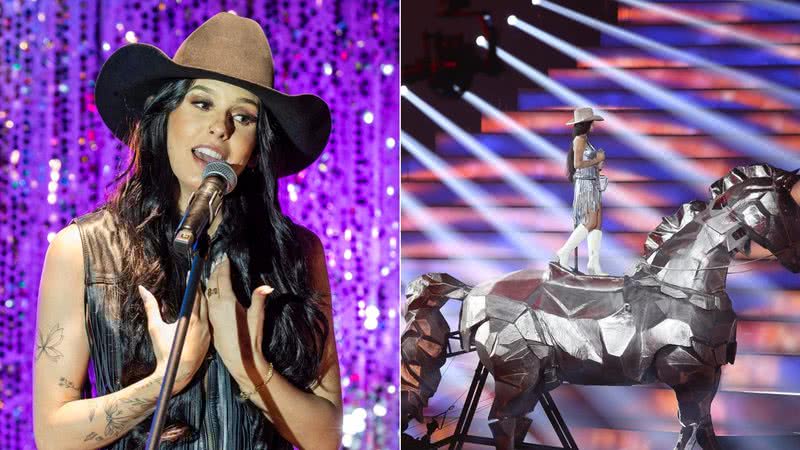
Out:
{"x": 58, "y": 160}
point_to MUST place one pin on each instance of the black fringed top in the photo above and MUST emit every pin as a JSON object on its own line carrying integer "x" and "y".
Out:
{"x": 208, "y": 405}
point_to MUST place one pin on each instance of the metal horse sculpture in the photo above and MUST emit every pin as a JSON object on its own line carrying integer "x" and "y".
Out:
{"x": 670, "y": 321}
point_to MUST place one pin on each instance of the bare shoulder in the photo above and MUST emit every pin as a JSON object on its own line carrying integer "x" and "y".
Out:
{"x": 62, "y": 281}
{"x": 66, "y": 251}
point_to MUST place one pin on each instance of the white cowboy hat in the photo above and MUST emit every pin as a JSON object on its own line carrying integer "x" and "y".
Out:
{"x": 584, "y": 114}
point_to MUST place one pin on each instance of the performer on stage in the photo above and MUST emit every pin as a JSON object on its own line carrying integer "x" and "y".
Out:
{"x": 584, "y": 163}
{"x": 259, "y": 369}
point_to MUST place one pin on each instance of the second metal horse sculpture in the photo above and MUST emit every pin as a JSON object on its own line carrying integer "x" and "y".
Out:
{"x": 670, "y": 321}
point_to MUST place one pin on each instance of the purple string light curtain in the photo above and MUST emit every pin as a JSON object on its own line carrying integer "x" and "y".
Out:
{"x": 57, "y": 160}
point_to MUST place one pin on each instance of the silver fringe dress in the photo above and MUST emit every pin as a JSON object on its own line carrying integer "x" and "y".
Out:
{"x": 587, "y": 188}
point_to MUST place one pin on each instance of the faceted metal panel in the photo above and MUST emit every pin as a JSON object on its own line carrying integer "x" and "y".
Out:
{"x": 526, "y": 325}
{"x": 473, "y": 313}
{"x": 484, "y": 344}
{"x": 671, "y": 224}
{"x": 575, "y": 338}
{"x": 433, "y": 290}
{"x": 517, "y": 285}
{"x": 508, "y": 310}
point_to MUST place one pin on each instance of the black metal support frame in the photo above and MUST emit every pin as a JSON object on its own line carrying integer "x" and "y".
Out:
{"x": 461, "y": 434}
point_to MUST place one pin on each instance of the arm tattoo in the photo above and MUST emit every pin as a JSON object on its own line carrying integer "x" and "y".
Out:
{"x": 92, "y": 409}
{"x": 137, "y": 404}
{"x": 114, "y": 419}
{"x": 47, "y": 345}
{"x": 65, "y": 383}
{"x": 136, "y": 401}
{"x": 152, "y": 382}
{"x": 93, "y": 437}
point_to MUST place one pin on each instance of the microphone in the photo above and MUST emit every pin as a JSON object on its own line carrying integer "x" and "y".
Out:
{"x": 204, "y": 205}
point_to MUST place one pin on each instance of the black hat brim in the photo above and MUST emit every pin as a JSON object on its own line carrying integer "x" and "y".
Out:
{"x": 136, "y": 71}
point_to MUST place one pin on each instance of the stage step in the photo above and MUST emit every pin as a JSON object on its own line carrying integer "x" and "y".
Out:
{"x": 680, "y": 34}
{"x": 716, "y": 99}
{"x": 638, "y": 170}
{"x": 507, "y": 145}
{"x": 713, "y": 12}
{"x": 670, "y": 193}
{"x": 651, "y": 121}
{"x": 676, "y": 77}
{"x": 634, "y": 57}
{"x": 631, "y": 223}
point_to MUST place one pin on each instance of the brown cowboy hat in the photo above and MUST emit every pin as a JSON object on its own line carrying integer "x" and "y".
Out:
{"x": 228, "y": 48}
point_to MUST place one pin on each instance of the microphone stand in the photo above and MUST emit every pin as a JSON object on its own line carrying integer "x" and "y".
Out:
{"x": 198, "y": 255}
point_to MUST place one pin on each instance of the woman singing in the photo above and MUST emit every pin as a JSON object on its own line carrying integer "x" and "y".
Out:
{"x": 259, "y": 369}
{"x": 584, "y": 163}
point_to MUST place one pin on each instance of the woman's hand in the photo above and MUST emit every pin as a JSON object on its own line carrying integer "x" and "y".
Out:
{"x": 601, "y": 156}
{"x": 238, "y": 331}
{"x": 198, "y": 339}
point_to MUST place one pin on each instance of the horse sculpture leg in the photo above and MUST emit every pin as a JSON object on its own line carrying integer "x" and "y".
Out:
{"x": 517, "y": 370}
{"x": 424, "y": 342}
{"x": 695, "y": 383}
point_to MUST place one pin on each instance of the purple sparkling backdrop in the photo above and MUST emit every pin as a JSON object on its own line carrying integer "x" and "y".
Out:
{"x": 57, "y": 159}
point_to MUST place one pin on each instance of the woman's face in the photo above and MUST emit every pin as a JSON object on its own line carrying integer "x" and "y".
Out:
{"x": 215, "y": 121}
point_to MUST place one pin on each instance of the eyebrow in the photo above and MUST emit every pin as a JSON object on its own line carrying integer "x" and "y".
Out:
{"x": 211, "y": 91}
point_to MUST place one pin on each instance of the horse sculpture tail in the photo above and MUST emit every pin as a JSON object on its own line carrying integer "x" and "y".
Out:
{"x": 424, "y": 341}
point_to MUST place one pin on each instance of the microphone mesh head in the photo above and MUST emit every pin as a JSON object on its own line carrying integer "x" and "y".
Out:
{"x": 224, "y": 170}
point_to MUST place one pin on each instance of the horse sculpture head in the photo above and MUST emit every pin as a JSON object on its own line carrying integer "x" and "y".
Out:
{"x": 766, "y": 201}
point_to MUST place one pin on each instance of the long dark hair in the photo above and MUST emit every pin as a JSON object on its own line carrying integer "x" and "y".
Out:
{"x": 261, "y": 243}
{"x": 578, "y": 129}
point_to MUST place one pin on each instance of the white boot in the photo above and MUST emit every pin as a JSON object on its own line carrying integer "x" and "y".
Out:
{"x": 593, "y": 268}
{"x": 577, "y": 236}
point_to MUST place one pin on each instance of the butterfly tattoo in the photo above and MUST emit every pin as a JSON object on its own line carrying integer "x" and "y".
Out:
{"x": 115, "y": 418}
{"x": 47, "y": 345}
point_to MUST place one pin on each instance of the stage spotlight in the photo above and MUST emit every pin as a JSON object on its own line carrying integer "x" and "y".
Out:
{"x": 477, "y": 198}
{"x": 743, "y": 137}
{"x": 666, "y": 51}
{"x": 542, "y": 147}
{"x": 441, "y": 235}
{"x": 535, "y": 3}
{"x": 681, "y": 167}
{"x": 709, "y": 27}
{"x": 512, "y": 20}
{"x": 481, "y": 41}
{"x": 403, "y": 90}
{"x": 533, "y": 192}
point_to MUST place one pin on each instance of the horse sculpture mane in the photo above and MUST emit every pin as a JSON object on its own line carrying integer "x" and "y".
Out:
{"x": 671, "y": 225}
{"x": 741, "y": 174}
{"x": 688, "y": 211}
